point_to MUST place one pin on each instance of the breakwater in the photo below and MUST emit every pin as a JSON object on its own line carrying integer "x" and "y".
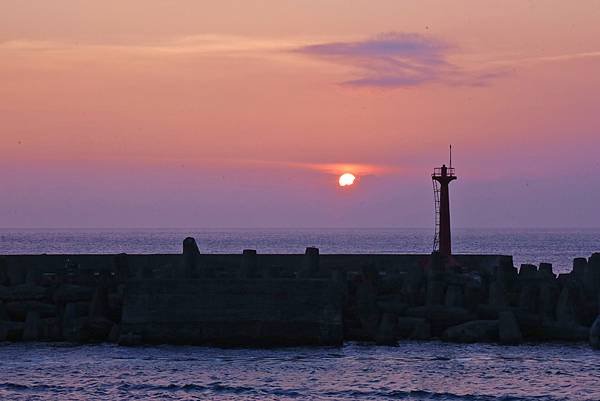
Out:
{"x": 254, "y": 299}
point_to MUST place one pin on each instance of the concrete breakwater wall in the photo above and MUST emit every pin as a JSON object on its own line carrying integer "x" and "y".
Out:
{"x": 254, "y": 299}
{"x": 234, "y": 312}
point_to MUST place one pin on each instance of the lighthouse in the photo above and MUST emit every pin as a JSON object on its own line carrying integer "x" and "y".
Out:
{"x": 441, "y": 178}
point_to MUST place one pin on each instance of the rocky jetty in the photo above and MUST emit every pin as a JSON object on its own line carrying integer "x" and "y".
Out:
{"x": 312, "y": 299}
{"x": 450, "y": 301}
{"x": 71, "y": 304}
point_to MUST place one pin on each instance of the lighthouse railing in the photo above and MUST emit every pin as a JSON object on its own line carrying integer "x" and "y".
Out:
{"x": 437, "y": 172}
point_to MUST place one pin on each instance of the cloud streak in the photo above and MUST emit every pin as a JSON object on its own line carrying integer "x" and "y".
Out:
{"x": 363, "y": 169}
{"x": 195, "y": 44}
{"x": 392, "y": 60}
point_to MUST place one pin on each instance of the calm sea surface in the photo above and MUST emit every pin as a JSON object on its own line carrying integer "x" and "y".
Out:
{"x": 411, "y": 371}
{"x": 557, "y": 246}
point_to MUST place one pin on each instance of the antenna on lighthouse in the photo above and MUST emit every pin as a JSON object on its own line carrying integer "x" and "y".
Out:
{"x": 450, "y": 156}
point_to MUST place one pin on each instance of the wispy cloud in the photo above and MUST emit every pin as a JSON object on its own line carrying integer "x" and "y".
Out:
{"x": 387, "y": 60}
{"x": 194, "y": 44}
{"x": 544, "y": 59}
{"x": 362, "y": 169}
{"x": 398, "y": 60}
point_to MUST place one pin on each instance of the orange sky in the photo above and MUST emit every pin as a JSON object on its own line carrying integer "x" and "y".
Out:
{"x": 247, "y": 98}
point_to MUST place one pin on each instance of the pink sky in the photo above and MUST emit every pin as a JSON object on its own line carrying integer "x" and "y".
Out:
{"x": 243, "y": 113}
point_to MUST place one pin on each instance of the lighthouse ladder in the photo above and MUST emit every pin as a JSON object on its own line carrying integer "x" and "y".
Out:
{"x": 436, "y": 202}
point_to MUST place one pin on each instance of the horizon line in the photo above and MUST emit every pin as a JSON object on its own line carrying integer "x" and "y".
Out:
{"x": 309, "y": 228}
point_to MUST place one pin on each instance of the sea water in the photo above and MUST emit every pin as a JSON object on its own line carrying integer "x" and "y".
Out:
{"x": 411, "y": 371}
{"x": 556, "y": 246}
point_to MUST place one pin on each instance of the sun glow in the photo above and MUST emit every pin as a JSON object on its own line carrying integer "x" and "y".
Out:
{"x": 346, "y": 179}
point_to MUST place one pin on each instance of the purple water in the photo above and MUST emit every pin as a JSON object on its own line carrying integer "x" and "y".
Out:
{"x": 411, "y": 371}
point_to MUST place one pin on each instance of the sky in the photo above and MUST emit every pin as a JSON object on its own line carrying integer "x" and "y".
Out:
{"x": 219, "y": 114}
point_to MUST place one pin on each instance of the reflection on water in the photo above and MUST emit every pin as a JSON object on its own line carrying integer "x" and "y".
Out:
{"x": 412, "y": 371}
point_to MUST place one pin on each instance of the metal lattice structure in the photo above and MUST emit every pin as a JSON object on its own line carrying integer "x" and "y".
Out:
{"x": 441, "y": 177}
{"x": 436, "y": 203}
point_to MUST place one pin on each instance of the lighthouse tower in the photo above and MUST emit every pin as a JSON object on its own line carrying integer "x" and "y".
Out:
{"x": 441, "y": 178}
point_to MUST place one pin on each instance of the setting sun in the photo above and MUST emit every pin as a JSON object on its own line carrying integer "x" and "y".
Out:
{"x": 346, "y": 179}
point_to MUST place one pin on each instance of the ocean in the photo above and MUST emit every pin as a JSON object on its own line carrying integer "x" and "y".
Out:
{"x": 411, "y": 371}
{"x": 556, "y": 246}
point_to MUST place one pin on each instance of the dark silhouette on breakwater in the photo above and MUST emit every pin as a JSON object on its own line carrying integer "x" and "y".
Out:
{"x": 252, "y": 299}
{"x": 442, "y": 176}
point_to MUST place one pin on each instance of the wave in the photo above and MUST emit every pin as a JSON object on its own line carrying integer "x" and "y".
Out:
{"x": 218, "y": 388}
{"x": 211, "y": 388}
{"x": 422, "y": 395}
{"x": 17, "y": 387}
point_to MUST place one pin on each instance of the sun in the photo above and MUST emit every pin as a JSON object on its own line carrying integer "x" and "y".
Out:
{"x": 346, "y": 179}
